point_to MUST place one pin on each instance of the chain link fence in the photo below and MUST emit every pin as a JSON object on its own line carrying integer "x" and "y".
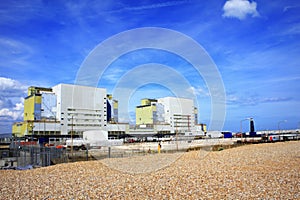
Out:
{"x": 37, "y": 156}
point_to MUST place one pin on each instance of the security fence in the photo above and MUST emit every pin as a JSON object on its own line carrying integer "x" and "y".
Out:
{"x": 38, "y": 156}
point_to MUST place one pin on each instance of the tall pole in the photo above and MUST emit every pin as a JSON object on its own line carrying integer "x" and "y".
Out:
{"x": 31, "y": 144}
{"x": 188, "y": 123}
{"x": 176, "y": 134}
{"x": 72, "y": 138}
{"x": 27, "y": 127}
{"x": 297, "y": 130}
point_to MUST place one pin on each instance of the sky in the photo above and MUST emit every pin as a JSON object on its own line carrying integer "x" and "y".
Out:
{"x": 254, "y": 45}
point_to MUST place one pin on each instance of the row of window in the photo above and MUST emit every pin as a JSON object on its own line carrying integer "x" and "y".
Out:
{"x": 182, "y": 118}
{"x": 46, "y": 132}
{"x": 182, "y": 121}
{"x": 99, "y": 125}
{"x": 86, "y": 120}
{"x": 85, "y": 114}
{"x": 82, "y": 109}
{"x": 176, "y": 126}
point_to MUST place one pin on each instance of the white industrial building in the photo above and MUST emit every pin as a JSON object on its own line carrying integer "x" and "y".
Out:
{"x": 80, "y": 108}
{"x": 72, "y": 109}
{"x": 65, "y": 109}
{"x": 168, "y": 114}
{"x": 180, "y": 113}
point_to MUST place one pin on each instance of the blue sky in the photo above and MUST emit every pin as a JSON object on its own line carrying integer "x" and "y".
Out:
{"x": 254, "y": 44}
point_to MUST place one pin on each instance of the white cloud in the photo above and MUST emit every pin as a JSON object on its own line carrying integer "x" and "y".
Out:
{"x": 240, "y": 9}
{"x": 7, "y": 83}
{"x": 12, "y": 95}
{"x": 114, "y": 75}
{"x": 14, "y": 52}
{"x": 232, "y": 99}
{"x": 19, "y": 106}
{"x": 157, "y": 5}
{"x": 10, "y": 88}
{"x": 7, "y": 114}
{"x": 254, "y": 100}
{"x": 198, "y": 91}
{"x": 287, "y": 8}
{"x": 293, "y": 30}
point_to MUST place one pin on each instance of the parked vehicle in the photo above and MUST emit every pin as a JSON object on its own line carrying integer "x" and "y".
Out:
{"x": 77, "y": 144}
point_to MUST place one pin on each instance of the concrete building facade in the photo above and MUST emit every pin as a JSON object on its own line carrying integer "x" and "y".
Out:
{"x": 179, "y": 114}
{"x": 80, "y": 108}
{"x": 65, "y": 109}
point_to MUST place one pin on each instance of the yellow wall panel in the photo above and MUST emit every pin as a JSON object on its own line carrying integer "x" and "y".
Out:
{"x": 20, "y": 129}
{"x": 38, "y": 99}
{"x": 115, "y": 104}
{"x": 144, "y": 115}
{"x": 29, "y": 105}
{"x": 145, "y": 102}
{"x": 204, "y": 127}
{"x": 29, "y": 109}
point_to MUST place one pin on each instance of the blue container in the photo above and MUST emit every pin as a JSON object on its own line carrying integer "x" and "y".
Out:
{"x": 227, "y": 135}
{"x": 42, "y": 141}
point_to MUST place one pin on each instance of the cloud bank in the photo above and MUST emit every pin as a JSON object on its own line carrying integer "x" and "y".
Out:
{"x": 254, "y": 100}
{"x": 12, "y": 95}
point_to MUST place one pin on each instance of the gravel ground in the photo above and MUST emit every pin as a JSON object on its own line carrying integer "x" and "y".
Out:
{"x": 260, "y": 171}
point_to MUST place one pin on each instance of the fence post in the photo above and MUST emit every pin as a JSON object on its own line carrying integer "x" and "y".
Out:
{"x": 87, "y": 154}
{"x": 109, "y": 152}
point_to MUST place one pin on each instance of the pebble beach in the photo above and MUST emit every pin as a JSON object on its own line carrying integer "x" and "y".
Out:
{"x": 257, "y": 171}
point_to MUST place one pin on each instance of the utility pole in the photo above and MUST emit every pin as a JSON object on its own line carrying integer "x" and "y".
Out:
{"x": 176, "y": 131}
{"x": 72, "y": 138}
{"x": 188, "y": 123}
